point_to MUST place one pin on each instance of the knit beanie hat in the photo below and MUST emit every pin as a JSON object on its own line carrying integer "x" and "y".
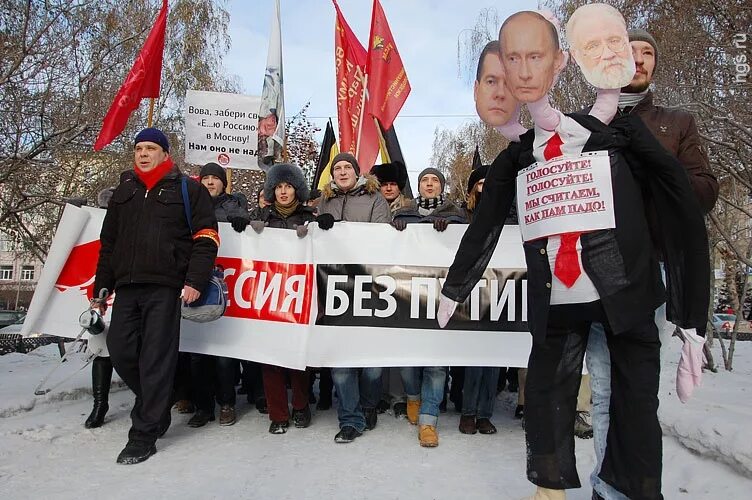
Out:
{"x": 640, "y": 35}
{"x": 437, "y": 173}
{"x": 476, "y": 175}
{"x": 212, "y": 168}
{"x": 349, "y": 159}
{"x": 154, "y": 135}
{"x": 291, "y": 174}
{"x": 391, "y": 172}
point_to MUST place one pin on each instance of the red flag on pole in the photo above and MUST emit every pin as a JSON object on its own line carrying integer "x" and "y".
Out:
{"x": 388, "y": 86}
{"x": 350, "y": 63}
{"x": 142, "y": 81}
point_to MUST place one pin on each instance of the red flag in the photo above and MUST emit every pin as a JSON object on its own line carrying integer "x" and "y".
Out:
{"x": 350, "y": 62}
{"x": 143, "y": 81}
{"x": 388, "y": 86}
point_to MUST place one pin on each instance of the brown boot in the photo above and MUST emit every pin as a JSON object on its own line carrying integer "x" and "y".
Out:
{"x": 413, "y": 410}
{"x": 547, "y": 494}
{"x": 227, "y": 415}
{"x": 467, "y": 424}
{"x": 428, "y": 436}
{"x": 185, "y": 406}
{"x": 485, "y": 426}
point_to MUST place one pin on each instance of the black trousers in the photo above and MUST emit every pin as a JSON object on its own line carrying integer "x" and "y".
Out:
{"x": 213, "y": 377}
{"x": 633, "y": 460}
{"x": 143, "y": 343}
{"x": 253, "y": 380}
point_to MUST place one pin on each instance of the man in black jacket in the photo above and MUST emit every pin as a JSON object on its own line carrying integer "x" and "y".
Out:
{"x": 151, "y": 256}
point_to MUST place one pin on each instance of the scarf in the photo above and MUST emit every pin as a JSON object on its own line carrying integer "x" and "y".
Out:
{"x": 631, "y": 100}
{"x": 428, "y": 205}
{"x": 154, "y": 175}
{"x": 286, "y": 211}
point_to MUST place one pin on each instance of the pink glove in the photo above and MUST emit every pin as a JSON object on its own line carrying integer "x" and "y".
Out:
{"x": 446, "y": 309}
{"x": 689, "y": 372}
{"x": 606, "y": 103}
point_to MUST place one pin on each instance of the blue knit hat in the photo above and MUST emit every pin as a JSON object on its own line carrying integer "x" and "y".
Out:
{"x": 154, "y": 135}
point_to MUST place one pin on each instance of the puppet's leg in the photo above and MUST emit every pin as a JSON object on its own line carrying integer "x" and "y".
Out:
{"x": 633, "y": 459}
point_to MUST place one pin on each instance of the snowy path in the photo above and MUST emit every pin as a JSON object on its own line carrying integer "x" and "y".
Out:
{"x": 46, "y": 453}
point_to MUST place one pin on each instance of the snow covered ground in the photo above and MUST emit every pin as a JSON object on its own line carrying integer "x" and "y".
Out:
{"x": 45, "y": 452}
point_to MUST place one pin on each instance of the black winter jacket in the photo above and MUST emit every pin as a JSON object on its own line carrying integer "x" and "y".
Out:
{"x": 619, "y": 261}
{"x": 300, "y": 216}
{"x": 231, "y": 206}
{"x": 146, "y": 239}
{"x": 448, "y": 210}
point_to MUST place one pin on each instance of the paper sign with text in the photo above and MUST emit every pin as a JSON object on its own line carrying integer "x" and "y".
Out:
{"x": 221, "y": 128}
{"x": 569, "y": 193}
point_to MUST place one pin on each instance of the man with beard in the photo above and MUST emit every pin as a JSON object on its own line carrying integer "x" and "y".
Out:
{"x": 677, "y": 132}
{"x": 600, "y": 46}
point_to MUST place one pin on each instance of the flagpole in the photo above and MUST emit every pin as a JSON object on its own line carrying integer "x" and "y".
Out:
{"x": 382, "y": 141}
{"x": 151, "y": 112}
{"x": 228, "y": 188}
{"x": 362, "y": 112}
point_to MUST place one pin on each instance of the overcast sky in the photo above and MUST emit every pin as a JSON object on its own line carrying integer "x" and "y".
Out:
{"x": 426, "y": 33}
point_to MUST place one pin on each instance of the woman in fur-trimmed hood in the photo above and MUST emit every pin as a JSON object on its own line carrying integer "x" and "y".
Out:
{"x": 352, "y": 197}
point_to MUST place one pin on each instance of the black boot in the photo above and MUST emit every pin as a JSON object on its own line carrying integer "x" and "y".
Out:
{"x": 101, "y": 376}
{"x": 302, "y": 418}
{"x": 136, "y": 452}
{"x": 371, "y": 418}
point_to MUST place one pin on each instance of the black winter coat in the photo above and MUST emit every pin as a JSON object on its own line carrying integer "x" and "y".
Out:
{"x": 448, "y": 210}
{"x": 300, "y": 216}
{"x": 619, "y": 261}
{"x": 146, "y": 239}
{"x": 231, "y": 206}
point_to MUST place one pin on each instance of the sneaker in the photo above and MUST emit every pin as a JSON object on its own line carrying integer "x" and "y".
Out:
{"x": 582, "y": 428}
{"x": 201, "y": 418}
{"x": 347, "y": 435}
{"x": 519, "y": 412}
{"x": 136, "y": 452}
{"x": 427, "y": 436}
{"x": 413, "y": 410}
{"x": 301, "y": 418}
{"x": 467, "y": 424}
{"x": 226, "y": 415}
{"x": 382, "y": 406}
{"x": 400, "y": 409}
{"x": 485, "y": 426}
{"x": 185, "y": 406}
{"x": 278, "y": 427}
{"x": 371, "y": 416}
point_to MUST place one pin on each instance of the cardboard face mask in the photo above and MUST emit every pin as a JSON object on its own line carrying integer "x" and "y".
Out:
{"x": 530, "y": 54}
{"x": 598, "y": 40}
{"x": 494, "y": 102}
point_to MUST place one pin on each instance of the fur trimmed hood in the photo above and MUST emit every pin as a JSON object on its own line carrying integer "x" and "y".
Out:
{"x": 366, "y": 184}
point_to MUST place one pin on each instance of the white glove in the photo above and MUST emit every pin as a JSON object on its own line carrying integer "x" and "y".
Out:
{"x": 446, "y": 309}
{"x": 689, "y": 372}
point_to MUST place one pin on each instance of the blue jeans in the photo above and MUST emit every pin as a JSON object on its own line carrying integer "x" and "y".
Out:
{"x": 427, "y": 385}
{"x": 357, "y": 388}
{"x": 598, "y": 362}
{"x": 479, "y": 391}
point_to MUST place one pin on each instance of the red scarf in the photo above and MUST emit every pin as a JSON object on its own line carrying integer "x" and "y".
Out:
{"x": 154, "y": 175}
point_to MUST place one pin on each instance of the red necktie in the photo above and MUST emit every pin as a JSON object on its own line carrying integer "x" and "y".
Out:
{"x": 567, "y": 264}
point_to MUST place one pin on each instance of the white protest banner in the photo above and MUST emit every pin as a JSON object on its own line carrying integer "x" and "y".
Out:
{"x": 221, "y": 128}
{"x": 356, "y": 295}
{"x": 567, "y": 194}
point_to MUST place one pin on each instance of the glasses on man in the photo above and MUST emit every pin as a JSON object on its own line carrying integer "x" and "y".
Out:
{"x": 594, "y": 48}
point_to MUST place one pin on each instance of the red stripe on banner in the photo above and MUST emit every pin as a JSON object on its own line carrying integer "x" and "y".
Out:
{"x": 270, "y": 291}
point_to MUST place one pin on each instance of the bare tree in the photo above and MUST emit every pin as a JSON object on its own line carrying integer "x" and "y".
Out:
{"x": 61, "y": 64}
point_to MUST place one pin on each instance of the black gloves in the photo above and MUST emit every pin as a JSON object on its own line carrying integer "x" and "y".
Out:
{"x": 440, "y": 224}
{"x": 326, "y": 221}
{"x": 238, "y": 223}
{"x": 399, "y": 224}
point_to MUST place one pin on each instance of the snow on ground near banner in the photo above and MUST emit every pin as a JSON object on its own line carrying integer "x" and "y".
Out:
{"x": 46, "y": 453}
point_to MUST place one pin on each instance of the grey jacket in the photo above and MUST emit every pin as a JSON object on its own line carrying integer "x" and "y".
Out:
{"x": 231, "y": 206}
{"x": 363, "y": 203}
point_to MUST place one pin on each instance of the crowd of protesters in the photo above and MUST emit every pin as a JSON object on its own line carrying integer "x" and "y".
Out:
{"x": 145, "y": 322}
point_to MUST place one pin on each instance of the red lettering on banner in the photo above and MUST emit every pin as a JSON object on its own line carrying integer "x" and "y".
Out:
{"x": 79, "y": 269}
{"x": 270, "y": 291}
